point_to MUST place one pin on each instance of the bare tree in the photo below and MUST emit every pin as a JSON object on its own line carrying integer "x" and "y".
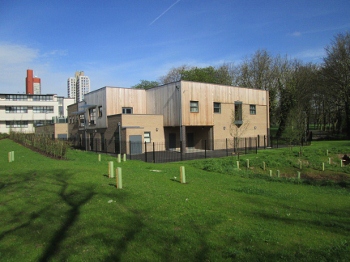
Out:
{"x": 336, "y": 72}
{"x": 174, "y": 74}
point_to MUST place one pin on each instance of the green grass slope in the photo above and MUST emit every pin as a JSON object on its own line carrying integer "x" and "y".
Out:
{"x": 69, "y": 210}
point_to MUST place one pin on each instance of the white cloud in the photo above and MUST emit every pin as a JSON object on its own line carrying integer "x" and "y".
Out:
{"x": 16, "y": 59}
{"x": 296, "y": 34}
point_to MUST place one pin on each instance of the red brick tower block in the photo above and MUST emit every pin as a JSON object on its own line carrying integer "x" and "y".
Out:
{"x": 29, "y": 82}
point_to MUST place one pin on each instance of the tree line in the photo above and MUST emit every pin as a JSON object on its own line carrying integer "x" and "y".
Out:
{"x": 301, "y": 94}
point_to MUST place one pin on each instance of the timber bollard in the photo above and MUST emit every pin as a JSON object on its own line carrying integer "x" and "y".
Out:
{"x": 298, "y": 175}
{"x": 237, "y": 164}
{"x": 124, "y": 157}
{"x": 118, "y": 158}
{"x": 278, "y": 173}
{"x": 247, "y": 163}
{"x": 119, "y": 179}
{"x": 110, "y": 169}
{"x": 99, "y": 157}
{"x": 11, "y": 156}
{"x": 182, "y": 175}
{"x": 270, "y": 173}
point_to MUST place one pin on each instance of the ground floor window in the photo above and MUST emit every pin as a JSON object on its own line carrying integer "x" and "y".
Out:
{"x": 147, "y": 137}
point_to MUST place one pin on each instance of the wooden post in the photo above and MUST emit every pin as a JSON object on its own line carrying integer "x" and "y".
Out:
{"x": 12, "y": 156}
{"x": 270, "y": 173}
{"x": 329, "y": 160}
{"x": 264, "y": 166}
{"x": 110, "y": 169}
{"x": 237, "y": 164}
{"x": 124, "y": 157}
{"x": 182, "y": 175}
{"x": 119, "y": 179}
{"x": 300, "y": 164}
{"x": 322, "y": 166}
{"x": 341, "y": 162}
{"x": 247, "y": 163}
{"x": 327, "y": 152}
{"x": 99, "y": 157}
{"x": 298, "y": 175}
{"x": 9, "y": 155}
{"x": 278, "y": 173}
{"x": 118, "y": 157}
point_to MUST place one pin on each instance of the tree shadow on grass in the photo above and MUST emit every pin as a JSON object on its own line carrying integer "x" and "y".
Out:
{"x": 75, "y": 200}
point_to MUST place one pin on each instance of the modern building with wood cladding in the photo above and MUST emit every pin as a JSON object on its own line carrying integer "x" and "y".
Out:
{"x": 185, "y": 111}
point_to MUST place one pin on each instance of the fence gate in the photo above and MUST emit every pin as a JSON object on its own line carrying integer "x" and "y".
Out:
{"x": 135, "y": 144}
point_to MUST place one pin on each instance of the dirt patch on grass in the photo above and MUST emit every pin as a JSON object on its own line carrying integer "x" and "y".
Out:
{"x": 322, "y": 177}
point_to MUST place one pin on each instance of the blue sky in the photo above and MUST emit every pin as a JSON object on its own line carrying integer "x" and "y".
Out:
{"x": 120, "y": 42}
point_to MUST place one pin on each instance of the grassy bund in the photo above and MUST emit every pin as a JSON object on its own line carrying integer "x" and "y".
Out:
{"x": 70, "y": 210}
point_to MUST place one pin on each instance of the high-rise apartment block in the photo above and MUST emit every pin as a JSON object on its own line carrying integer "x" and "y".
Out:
{"x": 33, "y": 84}
{"x": 78, "y": 86}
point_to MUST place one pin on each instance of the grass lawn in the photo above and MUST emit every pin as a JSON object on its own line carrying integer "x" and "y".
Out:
{"x": 69, "y": 210}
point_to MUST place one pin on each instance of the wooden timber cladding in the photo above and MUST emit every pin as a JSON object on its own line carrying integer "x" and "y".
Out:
{"x": 207, "y": 94}
{"x": 117, "y": 98}
{"x": 165, "y": 100}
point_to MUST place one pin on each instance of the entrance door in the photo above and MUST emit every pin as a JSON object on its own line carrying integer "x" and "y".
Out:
{"x": 189, "y": 140}
{"x": 172, "y": 140}
{"x": 135, "y": 144}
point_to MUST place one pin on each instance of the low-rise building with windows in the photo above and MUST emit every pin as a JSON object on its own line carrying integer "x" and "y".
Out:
{"x": 183, "y": 111}
{"x": 24, "y": 112}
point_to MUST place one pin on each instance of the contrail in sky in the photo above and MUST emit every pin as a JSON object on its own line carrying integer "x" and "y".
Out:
{"x": 164, "y": 12}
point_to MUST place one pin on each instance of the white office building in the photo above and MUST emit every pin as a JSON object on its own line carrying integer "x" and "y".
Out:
{"x": 24, "y": 112}
{"x": 71, "y": 87}
{"x": 78, "y": 86}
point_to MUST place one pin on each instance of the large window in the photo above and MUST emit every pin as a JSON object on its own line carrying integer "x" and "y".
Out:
{"x": 194, "y": 107}
{"x": 42, "y": 122}
{"x": 217, "y": 108}
{"x": 42, "y": 109}
{"x": 252, "y": 109}
{"x": 238, "y": 113}
{"x": 147, "y": 137}
{"x": 16, "y": 109}
{"x": 92, "y": 116}
{"x": 17, "y": 97}
{"x": 15, "y": 124}
{"x": 42, "y": 98}
{"x": 127, "y": 110}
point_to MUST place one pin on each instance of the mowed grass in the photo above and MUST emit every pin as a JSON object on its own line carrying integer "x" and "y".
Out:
{"x": 69, "y": 210}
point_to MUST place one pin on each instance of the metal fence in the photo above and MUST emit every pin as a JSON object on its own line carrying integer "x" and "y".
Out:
{"x": 162, "y": 152}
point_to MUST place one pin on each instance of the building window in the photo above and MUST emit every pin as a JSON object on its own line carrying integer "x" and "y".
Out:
{"x": 92, "y": 116}
{"x": 253, "y": 109}
{"x": 14, "y": 124}
{"x": 81, "y": 120}
{"x": 217, "y": 108}
{"x": 100, "y": 111}
{"x": 42, "y": 98}
{"x": 17, "y": 97}
{"x": 127, "y": 110}
{"x": 238, "y": 113}
{"x": 16, "y": 109}
{"x": 147, "y": 137}
{"x": 194, "y": 107}
{"x": 42, "y": 109}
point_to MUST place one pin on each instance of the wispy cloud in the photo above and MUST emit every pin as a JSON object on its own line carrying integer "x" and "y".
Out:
{"x": 320, "y": 30}
{"x": 164, "y": 12}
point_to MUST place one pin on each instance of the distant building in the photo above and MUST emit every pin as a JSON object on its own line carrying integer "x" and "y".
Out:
{"x": 33, "y": 84}
{"x": 24, "y": 112}
{"x": 71, "y": 87}
{"x": 78, "y": 86}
